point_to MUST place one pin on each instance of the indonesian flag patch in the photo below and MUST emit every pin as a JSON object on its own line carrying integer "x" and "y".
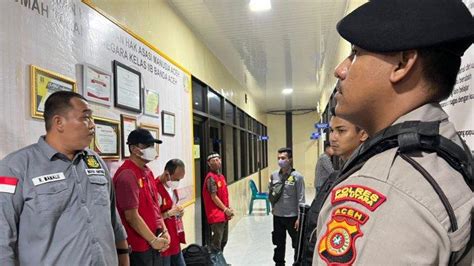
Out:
{"x": 8, "y": 184}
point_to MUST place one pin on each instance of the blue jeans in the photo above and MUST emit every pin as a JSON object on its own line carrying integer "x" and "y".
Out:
{"x": 174, "y": 260}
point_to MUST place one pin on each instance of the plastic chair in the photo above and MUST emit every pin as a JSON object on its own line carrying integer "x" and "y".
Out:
{"x": 258, "y": 196}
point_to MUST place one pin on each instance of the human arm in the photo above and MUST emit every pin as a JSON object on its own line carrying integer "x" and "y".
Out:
{"x": 124, "y": 258}
{"x": 135, "y": 221}
{"x": 300, "y": 194}
{"x": 212, "y": 188}
{"x": 11, "y": 205}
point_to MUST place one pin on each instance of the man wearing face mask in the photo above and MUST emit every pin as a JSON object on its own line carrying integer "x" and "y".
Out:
{"x": 137, "y": 201}
{"x": 285, "y": 209}
{"x": 167, "y": 184}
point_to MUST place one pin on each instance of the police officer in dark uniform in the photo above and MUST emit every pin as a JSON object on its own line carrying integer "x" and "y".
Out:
{"x": 404, "y": 197}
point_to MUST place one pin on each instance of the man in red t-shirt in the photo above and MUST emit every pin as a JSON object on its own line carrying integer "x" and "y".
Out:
{"x": 137, "y": 201}
{"x": 167, "y": 184}
{"x": 216, "y": 203}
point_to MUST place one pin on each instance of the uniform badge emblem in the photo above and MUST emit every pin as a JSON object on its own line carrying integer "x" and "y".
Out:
{"x": 368, "y": 197}
{"x": 92, "y": 162}
{"x": 337, "y": 246}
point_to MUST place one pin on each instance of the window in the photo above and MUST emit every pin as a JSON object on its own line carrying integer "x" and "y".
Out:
{"x": 229, "y": 112}
{"x": 198, "y": 89}
{"x": 229, "y": 153}
{"x": 237, "y": 153}
{"x": 243, "y": 154}
{"x": 214, "y": 100}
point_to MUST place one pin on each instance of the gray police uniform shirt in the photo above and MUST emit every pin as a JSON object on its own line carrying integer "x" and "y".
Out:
{"x": 388, "y": 214}
{"x": 292, "y": 196}
{"x": 323, "y": 169}
{"x": 61, "y": 212}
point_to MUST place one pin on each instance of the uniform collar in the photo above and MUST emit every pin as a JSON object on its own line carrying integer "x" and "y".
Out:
{"x": 50, "y": 152}
{"x": 427, "y": 112}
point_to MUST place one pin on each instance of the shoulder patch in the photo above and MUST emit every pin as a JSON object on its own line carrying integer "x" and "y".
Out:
{"x": 92, "y": 162}
{"x": 366, "y": 196}
{"x": 350, "y": 212}
{"x": 337, "y": 246}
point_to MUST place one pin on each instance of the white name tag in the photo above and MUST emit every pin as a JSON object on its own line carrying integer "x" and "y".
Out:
{"x": 39, "y": 180}
{"x": 95, "y": 171}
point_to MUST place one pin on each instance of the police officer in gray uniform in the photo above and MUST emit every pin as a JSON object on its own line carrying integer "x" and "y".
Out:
{"x": 57, "y": 206}
{"x": 285, "y": 210}
{"x": 401, "y": 199}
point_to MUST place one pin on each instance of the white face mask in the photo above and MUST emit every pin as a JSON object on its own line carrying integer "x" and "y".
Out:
{"x": 172, "y": 184}
{"x": 149, "y": 154}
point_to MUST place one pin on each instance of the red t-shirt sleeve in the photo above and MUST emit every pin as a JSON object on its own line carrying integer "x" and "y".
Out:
{"x": 127, "y": 190}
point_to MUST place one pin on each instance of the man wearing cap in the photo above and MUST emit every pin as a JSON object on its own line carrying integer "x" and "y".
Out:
{"x": 216, "y": 203}
{"x": 402, "y": 204}
{"x": 137, "y": 201}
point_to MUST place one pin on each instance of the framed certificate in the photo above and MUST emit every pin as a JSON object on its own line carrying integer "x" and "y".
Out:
{"x": 44, "y": 83}
{"x": 155, "y": 132}
{"x": 106, "y": 140}
{"x": 127, "y": 83}
{"x": 152, "y": 103}
{"x": 97, "y": 85}
{"x": 168, "y": 123}
{"x": 128, "y": 124}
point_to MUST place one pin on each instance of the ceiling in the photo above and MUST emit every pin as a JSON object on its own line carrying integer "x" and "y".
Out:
{"x": 266, "y": 52}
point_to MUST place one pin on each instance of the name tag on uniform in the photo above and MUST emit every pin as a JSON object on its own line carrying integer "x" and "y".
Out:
{"x": 93, "y": 166}
{"x": 95, "y": 171}
{"x": 39, "y": 180}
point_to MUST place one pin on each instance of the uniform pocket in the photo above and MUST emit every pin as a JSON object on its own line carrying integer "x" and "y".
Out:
{"x": 99, "y": 190}
{"x": 52, "y": 197}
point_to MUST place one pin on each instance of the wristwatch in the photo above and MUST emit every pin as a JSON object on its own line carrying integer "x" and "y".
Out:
{"x": 121, "y": 251}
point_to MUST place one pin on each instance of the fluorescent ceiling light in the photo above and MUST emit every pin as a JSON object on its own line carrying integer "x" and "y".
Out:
{"x": 260, "y": 5}
{"x": 287, "y": 91}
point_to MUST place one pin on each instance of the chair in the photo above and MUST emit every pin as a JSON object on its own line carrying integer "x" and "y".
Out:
{"x": 258, "y": 196}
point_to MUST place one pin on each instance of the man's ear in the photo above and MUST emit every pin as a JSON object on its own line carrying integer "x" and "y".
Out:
{"x": 58, "y": 123}
{"x": 363, "y": 135}
{"x": 406, "y": 61}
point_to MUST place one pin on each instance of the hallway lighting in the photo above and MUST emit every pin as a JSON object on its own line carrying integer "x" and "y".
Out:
{"x": 287, "y": 91}
{"x": 260, "y": 5}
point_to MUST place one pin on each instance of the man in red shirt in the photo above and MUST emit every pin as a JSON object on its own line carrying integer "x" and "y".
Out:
{"x": 167, "y": 183}
{"x": 137, "y": 201}
{"x": 216, "y": 203}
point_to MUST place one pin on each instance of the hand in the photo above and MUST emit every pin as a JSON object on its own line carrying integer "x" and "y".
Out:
{"x": 176, "y": 211}
{"x": 297, "y": 224}
{"x": 160, "y": 243}
{"x": 229, "y": 212}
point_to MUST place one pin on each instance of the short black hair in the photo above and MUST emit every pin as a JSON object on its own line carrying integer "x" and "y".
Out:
{"x": 440, "y": 69}
{"x": 288, "y": 151}
{"x": 173, "y": 164}
{"x": 58, "y": 103}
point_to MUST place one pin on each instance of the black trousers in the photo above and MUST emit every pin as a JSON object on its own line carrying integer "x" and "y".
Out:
{"x": 150, "y": 257}
{"x": 219, "y": 235}
{"x": 281, "y": 225}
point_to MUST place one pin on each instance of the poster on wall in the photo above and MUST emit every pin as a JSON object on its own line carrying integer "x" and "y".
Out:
{"x": 151, "y": 102}
{"x": 106, "y": 140}
{"x": 43, "y": 84}
{"x": 127, "y": 84}
{"x": 97, "y": 85}
{"x": 459, "y": 105}
{"x": 128, "y": 124}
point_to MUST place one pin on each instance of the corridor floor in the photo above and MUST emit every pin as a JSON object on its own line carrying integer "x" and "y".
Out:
{"x": 250, "y": 240}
